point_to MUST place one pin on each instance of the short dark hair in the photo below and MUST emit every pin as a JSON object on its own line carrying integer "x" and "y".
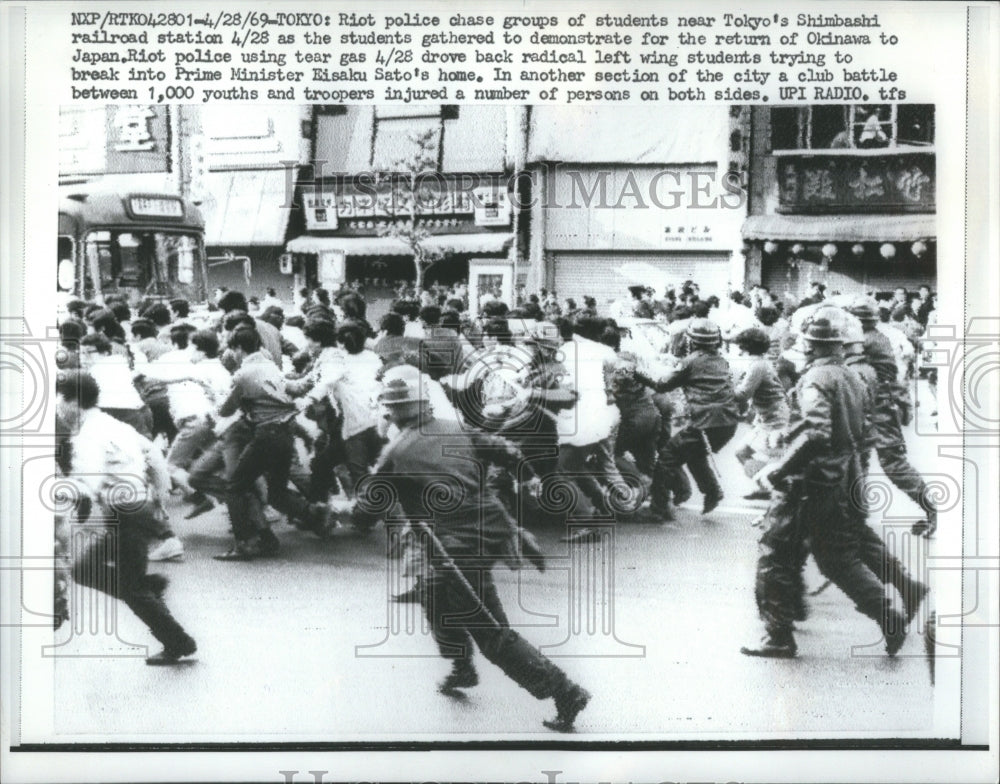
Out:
{"x": 181, "y": 307}
{"x": 353, "y": 305}
{"x": 351, "y": 335}
{"x": 450, "y": 319}
{"x": 495, "y": 309}
{"x": 322, "y": 295}
{"x": 232, "y": 300}
{"x": 143, "y": 328}
{"x": 121, "y": 310}
{"x": 393, "y": 324}
{"x": 456, "y": 304}
{"x": 274, "y": 316}
{"x": 104, "y": 321}
{"x": 244, "y": 338}
{"x": 295, "y": 321}
{"x": 207, "y": 342}
{"x": 407, "y": 308}
{"x": 323, "y": 332}
{"x": 70, "y": 332}
{"x": 158, "y": 313}
{"x": 77, "y": 307}
{"x": 99, "y": 341}
{"x": 754, "y": 341}
{"x": 431, "y": 314}
{"x": 767, "y": 315}
{"x": 78, "y": 386}
{"x": 701, "y": 309}
{"x": 180, "y": 334}
{"x": 237, "y": 317}
{"x": 498, "y": 328}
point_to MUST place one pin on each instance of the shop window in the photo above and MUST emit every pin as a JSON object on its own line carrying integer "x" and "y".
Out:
{"x": 852, "y": 126}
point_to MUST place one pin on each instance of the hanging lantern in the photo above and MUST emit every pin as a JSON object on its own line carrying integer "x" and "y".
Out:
{"x": 858, "y": 249}
{"x": 798, "y": 248}
{"x": 888, "y": 250}
{"x": 829, "y": 250}
{"x": 918, "y": 249}
{"x": 770, "y": 247}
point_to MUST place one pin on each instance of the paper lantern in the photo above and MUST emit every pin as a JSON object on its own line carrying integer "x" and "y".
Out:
{"x": 858, "y": 249}
{"x": 829, "y": 250}
{"x": 797, "y": 248}
{"x": 770, "y": 247}
{"x": 888, "y": 250}
{"x": 918, "y": 249}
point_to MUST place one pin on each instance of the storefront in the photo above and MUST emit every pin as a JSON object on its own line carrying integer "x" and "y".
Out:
{"x": 657, "y": 208}
{"x": 399, "y": 193}
{"x": 844, "y": 196}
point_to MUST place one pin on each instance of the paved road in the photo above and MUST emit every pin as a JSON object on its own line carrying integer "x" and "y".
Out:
{"x": 278, "y": 657}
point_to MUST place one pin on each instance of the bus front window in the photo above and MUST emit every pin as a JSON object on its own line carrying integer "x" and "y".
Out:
{"x": 149, "y": 261}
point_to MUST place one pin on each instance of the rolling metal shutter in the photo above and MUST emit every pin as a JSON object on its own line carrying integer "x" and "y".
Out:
{"x": 575, "y": 274}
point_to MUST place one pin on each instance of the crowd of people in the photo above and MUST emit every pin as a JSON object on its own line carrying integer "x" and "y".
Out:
{"x": 304, "y": 411}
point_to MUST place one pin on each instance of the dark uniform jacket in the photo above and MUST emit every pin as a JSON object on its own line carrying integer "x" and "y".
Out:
{"x": 435, "y": 472}
{"x": 708, "y": 388}
{"x": 830, "y": 412}
{"x": 890, "y": 395}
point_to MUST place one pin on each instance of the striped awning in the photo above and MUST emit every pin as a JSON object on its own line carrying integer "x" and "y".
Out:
{"x": 482, "y": 242}
{"x": 841, "y": 228}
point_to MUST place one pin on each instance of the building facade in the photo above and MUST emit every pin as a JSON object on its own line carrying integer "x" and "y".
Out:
{"x": 635, "y": 195}
{"x": 390, "y": 184}
{"x": 842, "y": 195}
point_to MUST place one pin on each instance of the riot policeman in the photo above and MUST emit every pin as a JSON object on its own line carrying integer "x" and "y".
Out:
{"x": 705, "y": 377}
{"x": 433, "y": 470}
{"x": 893, "y": 409}
{"x": 815, "y": 478}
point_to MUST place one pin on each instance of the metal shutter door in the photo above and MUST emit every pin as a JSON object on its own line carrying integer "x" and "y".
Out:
{"x": 578, "y": 274}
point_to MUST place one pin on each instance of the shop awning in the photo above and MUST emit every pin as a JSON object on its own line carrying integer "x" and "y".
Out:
{"x": 483, "y": 242}
{"x": 841, "y": 228}
{"x": 246, "y": 207}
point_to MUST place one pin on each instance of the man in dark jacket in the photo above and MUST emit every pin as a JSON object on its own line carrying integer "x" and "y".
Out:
{"x": 711, "y": 406}
{"x": 818, "y": 477}
{"x": 432, "y": 477}
{"x": 259, "y": 391}
{"x": 893, "y": 409}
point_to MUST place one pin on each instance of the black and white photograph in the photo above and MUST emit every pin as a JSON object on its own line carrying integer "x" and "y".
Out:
{"x": 578, "y": 424}
{"x": 479, "y": 395}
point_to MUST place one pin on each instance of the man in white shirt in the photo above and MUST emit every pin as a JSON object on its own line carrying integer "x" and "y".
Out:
{"x": 123, "y": 479}
{"x": 195, "y": 388}
{"x": 349, "y": 380}
{"x": 585, "y": 431}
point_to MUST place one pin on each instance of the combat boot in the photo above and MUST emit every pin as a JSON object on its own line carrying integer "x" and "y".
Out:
{"x": 463, "y": 675}
{"x": 570, "y": 700}
{"x": 778, "y": 644}
{"x": 894, "y": 629}
{"x": 914, "y": 592}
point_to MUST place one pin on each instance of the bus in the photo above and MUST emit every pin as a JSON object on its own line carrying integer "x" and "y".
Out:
{"x": 143, "y": 245}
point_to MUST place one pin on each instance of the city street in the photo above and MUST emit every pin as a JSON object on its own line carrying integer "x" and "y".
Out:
{"x": 278, "y": 639}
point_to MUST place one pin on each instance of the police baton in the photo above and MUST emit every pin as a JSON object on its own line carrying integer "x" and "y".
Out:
{"x": 451, "y": 568}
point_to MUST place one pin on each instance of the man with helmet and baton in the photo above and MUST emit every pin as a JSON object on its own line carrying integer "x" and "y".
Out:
{"x": 432, "y": 470}
{"x": 893, "y": 409}
{"x": 817, "y": 478}
{"x": 707, "y": 382}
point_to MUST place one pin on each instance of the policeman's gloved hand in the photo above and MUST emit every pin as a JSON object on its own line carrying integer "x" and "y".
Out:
{"x": 905, "y": 415}
{"x": 84, "y": 506}
{"x": 925, "y": 528}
